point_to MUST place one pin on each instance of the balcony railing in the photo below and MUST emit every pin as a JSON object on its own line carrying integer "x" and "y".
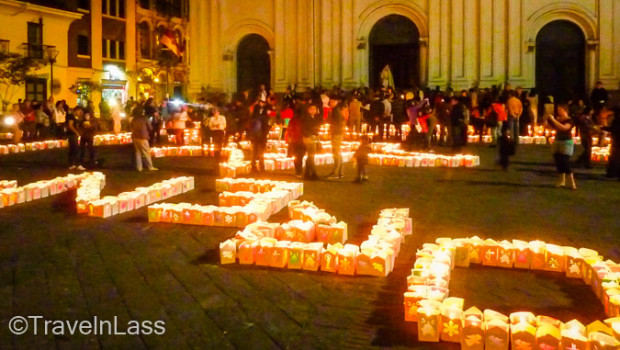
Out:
{"x": 4, "y": 46}
{"x": 32, "y": 50}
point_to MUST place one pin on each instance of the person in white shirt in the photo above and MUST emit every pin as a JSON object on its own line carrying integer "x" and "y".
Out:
{"x": 60, "y": 118}
{"x": 217, "y": 125}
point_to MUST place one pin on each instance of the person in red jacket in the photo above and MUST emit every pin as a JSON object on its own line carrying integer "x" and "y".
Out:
{"x": 495, "y": 117}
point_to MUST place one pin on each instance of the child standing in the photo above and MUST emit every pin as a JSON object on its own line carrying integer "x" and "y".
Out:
{"x": 361, "y": 157}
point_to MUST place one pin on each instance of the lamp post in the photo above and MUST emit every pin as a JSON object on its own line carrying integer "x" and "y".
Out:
{"x": 51, "y": 52}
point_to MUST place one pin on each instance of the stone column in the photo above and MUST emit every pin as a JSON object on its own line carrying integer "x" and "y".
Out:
{"x": 439, "y": 43}
{"x": 280, "y": 47}
{"x": 196, "y": 14}
{"x": 130, "y": 45}
{"x": 215, "y": 76}
{"x": 349, "y": 46}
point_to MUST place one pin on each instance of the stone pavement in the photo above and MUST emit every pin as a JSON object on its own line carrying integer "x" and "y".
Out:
{"x": 62, "y": 266}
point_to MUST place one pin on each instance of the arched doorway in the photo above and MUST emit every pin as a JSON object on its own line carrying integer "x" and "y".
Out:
{"x": 253, "y": 63}
{"x": 395, "y": 40}
{"x": 561, "y": 61}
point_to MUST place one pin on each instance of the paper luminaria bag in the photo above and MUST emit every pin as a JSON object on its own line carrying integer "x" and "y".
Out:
{"x": 473, "y": 331}
{"x": 452, "y": 319}
{"x": 574, "y": 336}
{"x": 496, "y": 334}
{"x": 522, "y": 336}
{"x": 428, "y": 324}
{"x": 228, "y": 252}
{"x": 548, "y": 337}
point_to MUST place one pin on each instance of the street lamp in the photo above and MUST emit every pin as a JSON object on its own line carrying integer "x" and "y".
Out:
{"x": 51, "y": 52}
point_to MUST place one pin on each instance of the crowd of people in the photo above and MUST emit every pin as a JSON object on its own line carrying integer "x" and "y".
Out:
{"x": 436, "y": 118}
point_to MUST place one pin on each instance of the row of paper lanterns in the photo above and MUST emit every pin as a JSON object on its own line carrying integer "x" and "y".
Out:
{"x": 12, "y": 194}
{"x": 88, "y": 201}
{"x": 259, "y": 200}
{"x": 442, "y": 318}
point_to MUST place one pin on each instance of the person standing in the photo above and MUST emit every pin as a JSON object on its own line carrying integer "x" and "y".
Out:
{"x": 42, "y": 121}
{"x": 217, "y": 126}
{"x": 533, "y": 98}
{"x": 563, "y": 146}
{"x": 152, "y": 114}
{"x": 311, "y": 123}
{"x": 355, "y": 113}
{"x": 29, "y": 123}
{"x": 458, "y": 120}
{"x": 140, "y": 134}
{"x": 337, "y": 119}
{"x": 19, "y": 118}
{"x": 295, "y": 139}
{"x": 599, "y": 97}
{"x": 60, "y": 118}
{"x": 586, "y": 128}
{"x": 115, "y": 112}
{"x": 73, "y": 135}
{"x": 613, "y": 165}
{"x": 88, "y": 127}
{"x": 259, "y": 129}
{"x": 179, "y": 123}
{"x": 515, "y": 109}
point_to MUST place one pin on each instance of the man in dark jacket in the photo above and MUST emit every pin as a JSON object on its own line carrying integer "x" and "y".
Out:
{"x": 458, "y": 119}
{"x": 310, "y": 124}
{"x": 598, "y": 97}
{"x": 258, "y": 130}
{"x": 140, "y": 134}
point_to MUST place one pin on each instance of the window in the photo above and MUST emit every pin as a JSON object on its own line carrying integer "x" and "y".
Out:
{"x": 113, "y": 49}
{"x": 83, "y": 45}
{"x": 35, "y": 40}
{"x": 144, "y": 40}
{"x": 36, "y": 89}
{"x": 121, "y": 50}
{"x": 115, "y": 8}
{"x": 84, "y": 5}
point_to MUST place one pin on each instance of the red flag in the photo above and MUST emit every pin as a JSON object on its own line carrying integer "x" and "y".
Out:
{"x": 169, "y": 41}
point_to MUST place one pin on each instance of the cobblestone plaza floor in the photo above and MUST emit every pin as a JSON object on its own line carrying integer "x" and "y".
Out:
{"x": 62, "y": 266}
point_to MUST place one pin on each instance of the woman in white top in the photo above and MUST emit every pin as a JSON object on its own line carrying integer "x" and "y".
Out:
{"x": 217, "y": 125}
{"x": 60, "y": 118}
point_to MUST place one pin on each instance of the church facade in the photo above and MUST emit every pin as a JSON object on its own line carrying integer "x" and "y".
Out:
{"x": 549, "y": 44}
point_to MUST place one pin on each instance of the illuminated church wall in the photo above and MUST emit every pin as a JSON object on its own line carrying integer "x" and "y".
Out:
{"x": 459, "y": 42}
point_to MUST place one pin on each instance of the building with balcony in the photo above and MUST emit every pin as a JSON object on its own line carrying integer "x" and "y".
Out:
{"x": 107, "y": 50}
{"x": 32, "y": 30}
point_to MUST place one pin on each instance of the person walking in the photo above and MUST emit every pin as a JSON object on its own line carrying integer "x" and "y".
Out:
{"x": 259, "y": 129}
{"x": 563, "y": 146}
{"x": 514, "y": 108}
{"x": 73, "y": 135}
{"x": 140, "y": 134}
{"x": 311, "y": 123}
{"x": 337, "y": 119}
{"x": 361, "y": 158}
